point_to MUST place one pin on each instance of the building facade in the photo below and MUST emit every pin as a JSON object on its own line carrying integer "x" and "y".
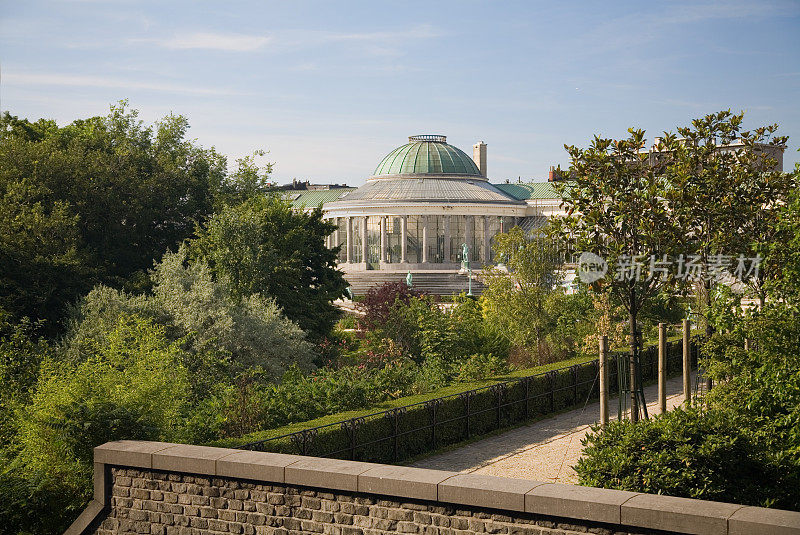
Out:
{"x": 427, "y": 205}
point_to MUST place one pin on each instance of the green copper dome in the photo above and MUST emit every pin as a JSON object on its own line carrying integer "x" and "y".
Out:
{"x": 427, "y": 155}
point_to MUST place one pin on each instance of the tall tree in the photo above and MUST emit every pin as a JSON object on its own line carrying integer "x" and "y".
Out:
{"x": 616, "y": 210}
{"x": 97, "y": 200}
{"x": 263, "y": 246}
{"x": 516, "y": 295}
{"x": 725, "y": 193}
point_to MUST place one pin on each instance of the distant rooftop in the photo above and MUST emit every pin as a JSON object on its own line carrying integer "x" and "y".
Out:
{"x": 315, "y": 198}
{"x": 529, "y": 190}
{"x": 521, "y": 191}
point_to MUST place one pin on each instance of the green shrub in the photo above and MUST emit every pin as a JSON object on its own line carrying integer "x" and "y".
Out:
{"x": 481, "y": 365}
{"x": 743, "y": 447}
{"x": 131, "y": 386}
{"x": 706, "y": 455}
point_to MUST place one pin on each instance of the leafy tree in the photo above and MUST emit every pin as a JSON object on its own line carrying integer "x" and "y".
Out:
{"x": 262, "y": 246}
{"x": 616, "y": 208}
{"x": 95, "y": 201}
{"x": 515, "y": 300}
{"x": 784, "y": 251}
{"x": 247, "y": 181}
{"x": 724, "y": 193}
{"x": 252, "y": 329}
{"x": 44, "y": 264}
{"x": 216, "y": 329}
{"x": 742, "y": 444}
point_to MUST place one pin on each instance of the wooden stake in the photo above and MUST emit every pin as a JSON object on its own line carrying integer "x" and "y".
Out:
{"x": 662, "y": 368}
{"x": 603, "y": 380}
{"x": 687, "y": 364}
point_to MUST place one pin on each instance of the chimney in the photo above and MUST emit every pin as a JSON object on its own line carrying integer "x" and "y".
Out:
{"x": 552, "y": 176}
{"x": 656, "y": 143}
{"x": 479, "y": 156}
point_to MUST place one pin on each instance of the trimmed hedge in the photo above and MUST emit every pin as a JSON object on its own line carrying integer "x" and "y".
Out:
{"x": 401, "y": 433}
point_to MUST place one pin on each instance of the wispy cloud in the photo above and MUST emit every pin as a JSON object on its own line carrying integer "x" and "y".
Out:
{"x": 228, "y": 42}
{"x": 70, "y": 80}
{"x": 388, "y": 42}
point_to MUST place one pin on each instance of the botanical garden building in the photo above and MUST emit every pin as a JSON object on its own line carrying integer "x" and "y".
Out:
{"x": 426, "y": 204}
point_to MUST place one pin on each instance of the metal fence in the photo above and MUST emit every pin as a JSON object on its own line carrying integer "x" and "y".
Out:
{"x": 399, "y": 433}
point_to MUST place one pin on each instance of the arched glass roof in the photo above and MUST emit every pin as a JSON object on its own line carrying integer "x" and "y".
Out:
{"x": 425, "y": 155}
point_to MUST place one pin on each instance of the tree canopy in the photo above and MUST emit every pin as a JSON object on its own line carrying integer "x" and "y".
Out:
{"x": 263, "y": 246}
{"x": 95, "y": 201}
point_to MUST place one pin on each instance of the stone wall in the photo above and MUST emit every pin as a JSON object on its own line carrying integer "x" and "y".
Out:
{"x": 165, "y": 489}
{"x": 153, "y": 501}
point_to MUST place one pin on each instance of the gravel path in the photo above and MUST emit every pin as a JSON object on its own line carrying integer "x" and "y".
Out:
{"x": 543, "y": 451}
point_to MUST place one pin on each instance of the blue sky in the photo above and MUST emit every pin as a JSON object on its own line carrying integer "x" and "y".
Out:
{"x": 329, "y": 88}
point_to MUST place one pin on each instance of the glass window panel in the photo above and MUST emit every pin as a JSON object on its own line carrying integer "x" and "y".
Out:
{"x": 373, "y": 239}
{"x": 357, "y": 223}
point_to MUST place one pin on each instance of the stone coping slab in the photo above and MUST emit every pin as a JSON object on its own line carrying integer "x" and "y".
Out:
{"x": 613, "y": 507}
{"x": 748, "y": 520}
{"x": 403, "y": 481}
{"x": 487, "y": 491}
{"x": 573, "y": 501}
{"x": 683, "y": 515}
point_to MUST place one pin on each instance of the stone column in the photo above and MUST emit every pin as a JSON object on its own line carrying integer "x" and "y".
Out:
{"x": 487, "y": 253}
{"x": 383, "y": 239}
{"x": 349, "y": 237}
{"x": 447, "y": 245}
{"x": 425, "y": 239}
{"x": 468, "y": 235}
{"x": 403, "y": 238}
{"x": 336, "y": 232}
{"x": 364, "y": 245}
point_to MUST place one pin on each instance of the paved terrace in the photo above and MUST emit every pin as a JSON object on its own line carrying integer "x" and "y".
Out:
{"x": 544, "y": 450}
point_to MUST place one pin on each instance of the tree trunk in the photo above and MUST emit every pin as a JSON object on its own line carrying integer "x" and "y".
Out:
{"x": 709, "y": 326}
{"x": 632, "y": 358}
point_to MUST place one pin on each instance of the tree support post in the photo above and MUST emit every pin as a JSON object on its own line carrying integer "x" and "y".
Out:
{"x": 662, "y": 368}
{"x": 632, "y": 370}
{"x": 603, "y": 380}
{"x": 687, "y": 364}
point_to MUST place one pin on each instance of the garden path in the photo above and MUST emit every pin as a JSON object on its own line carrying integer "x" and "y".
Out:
{"x": 544, "y": 450}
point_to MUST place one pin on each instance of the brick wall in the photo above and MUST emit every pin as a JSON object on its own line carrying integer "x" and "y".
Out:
{"x": 175, "y": 489}
{"x": 163, "y": 503}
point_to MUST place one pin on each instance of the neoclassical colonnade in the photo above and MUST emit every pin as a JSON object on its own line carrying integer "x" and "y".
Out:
{"x": 415, "y": 239}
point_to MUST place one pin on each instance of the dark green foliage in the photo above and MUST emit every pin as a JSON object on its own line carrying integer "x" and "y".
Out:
{"x": 94, "y": 201}
{"x": 262, "y": 246}
{"x": 708, "y": 455}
